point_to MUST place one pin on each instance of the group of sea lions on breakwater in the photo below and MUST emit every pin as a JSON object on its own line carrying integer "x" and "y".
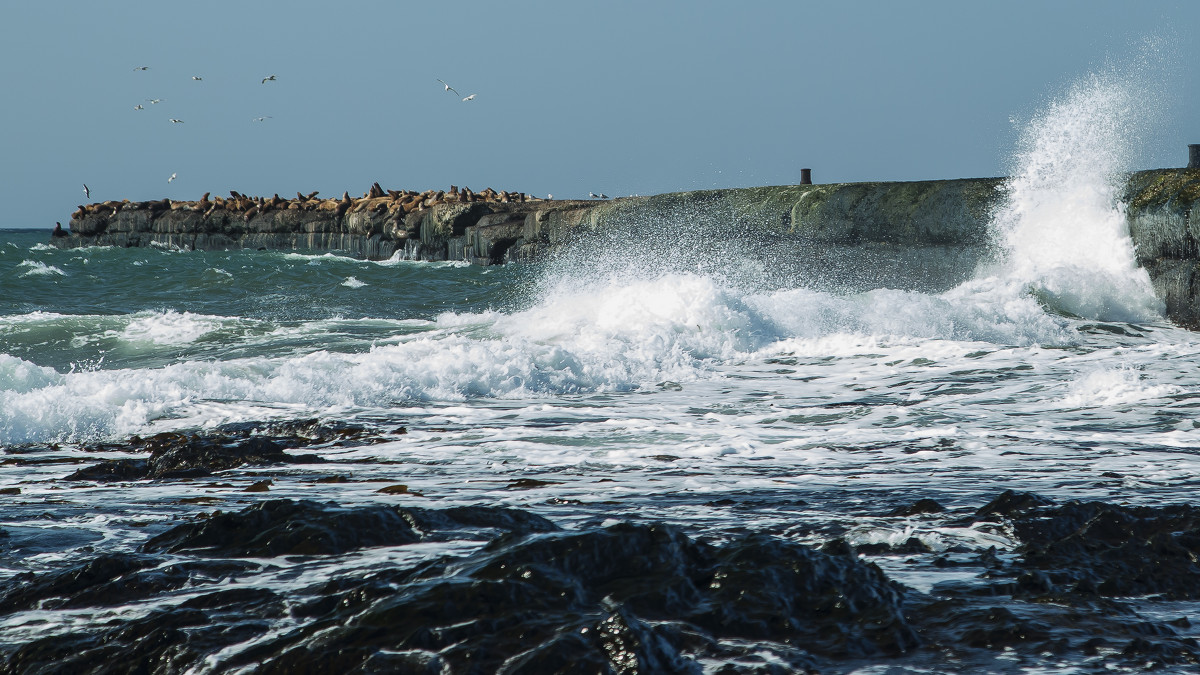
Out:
{"x": 376, "y": 200}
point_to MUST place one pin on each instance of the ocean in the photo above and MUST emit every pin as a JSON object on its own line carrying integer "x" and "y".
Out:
{"x": 599, "y": 389}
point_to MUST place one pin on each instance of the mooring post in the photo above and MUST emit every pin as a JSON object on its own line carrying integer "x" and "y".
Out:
{"x": 806, "y": 174}
{"x": 1194, "y": 156}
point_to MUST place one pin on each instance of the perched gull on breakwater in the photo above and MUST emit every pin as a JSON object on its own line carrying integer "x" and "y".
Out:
{"x": 171, "y": 178}
{"x": 448, "y": 87}
{"x": 593, "y": 195}
{"x": 269, "y": 78}
{"x": 87, "y": 194}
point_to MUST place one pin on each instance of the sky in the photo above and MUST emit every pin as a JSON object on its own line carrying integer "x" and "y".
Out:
{"x": 615, "y": 97}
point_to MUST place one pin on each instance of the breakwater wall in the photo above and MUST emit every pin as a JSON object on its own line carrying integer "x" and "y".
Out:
{"x": 923, "y": 235}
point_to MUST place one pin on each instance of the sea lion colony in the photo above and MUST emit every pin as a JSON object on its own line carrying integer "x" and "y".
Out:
{"x": 376, "y": 200}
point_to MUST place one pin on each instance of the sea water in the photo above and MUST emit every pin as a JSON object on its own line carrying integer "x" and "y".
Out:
{"x": 632, "y": 385}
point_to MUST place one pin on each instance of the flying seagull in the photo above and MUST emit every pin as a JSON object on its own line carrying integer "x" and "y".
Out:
{"x": 153, "y": 100}
{"x": 469, "y": 98}
{"x": 175, "y": 121}
{"x": 171, "y": 178}
{"x": 197, "y": 78}
{"x": 449, "y": 88}
{"x": 264, "y": 117}
{"x": 269, "y": 78}
{"x": 139, "y": 107}
{"x": 86, "y": 192}
{"x": 142, "y": 68}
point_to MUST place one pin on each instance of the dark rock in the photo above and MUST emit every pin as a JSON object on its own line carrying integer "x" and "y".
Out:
{"x": 918, "y": 507}
{"x": 176, "y": 455}
{"x": 624, "y": 599}
{"x": 112, "y": 580}
{"x": 1010, "y": 504}
{"x": 283, "y": 527}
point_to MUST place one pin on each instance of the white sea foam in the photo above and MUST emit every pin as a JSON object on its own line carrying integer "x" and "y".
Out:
{"x": 352, "y": 282}
{"x": 36, "y": 268}
{"x": 169, "y": 327}
{"x": 1113, "y": 386}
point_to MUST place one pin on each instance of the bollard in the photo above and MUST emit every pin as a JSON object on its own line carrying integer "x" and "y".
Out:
{"x": 1194, "y": 156}
{"x": 806, "y": 174}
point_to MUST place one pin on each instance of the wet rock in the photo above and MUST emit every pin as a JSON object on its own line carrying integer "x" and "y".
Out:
{"x": 112, "y": 580}
{"x": 628, "y": 598}
{"x": 917, "y": 508}
{"x": 283, "y": 527}
{"x": 176, "y": 455}
{"x": 1096, "y": 548}
{"x": 1010, "y": 504}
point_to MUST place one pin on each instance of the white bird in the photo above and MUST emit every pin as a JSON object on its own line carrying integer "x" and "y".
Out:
{"x": 593, "y": 195}
{"x": 86, "y": 192}
{"x": 197, "y": 78}
{"x": 269, "y": 78}
{"x": 142, "y": 68}
{"x": 153, "y": 100}
{"x": 171, "y": 178}
{"x": 264, "y": 117}
{"x": 468, "y": 98}
{"x": 448, "y": 87}
{"x": 139, "y": 107}
{"x": 175, "y": 121}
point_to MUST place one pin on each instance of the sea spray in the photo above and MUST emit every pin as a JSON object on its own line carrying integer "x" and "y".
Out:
{"x": 1061, "y": 230}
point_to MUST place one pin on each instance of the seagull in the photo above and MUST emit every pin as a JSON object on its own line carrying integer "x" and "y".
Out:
{"x": 197, "y": 78}
{"x": 449, "y": 88}
{"x": 175, "y": 121}
{"x": 86, "y": 192}
{"x": 153, "y": 100}
{"x": 139, "y": 107}
{"x": 264, "y": 117}
{"x": 171, "y": 178}
{"x": 269, "y": 78}
{"x": 142, "y": 68}
{"x": 468, "y": 98}
{"x": 593, "y": 195}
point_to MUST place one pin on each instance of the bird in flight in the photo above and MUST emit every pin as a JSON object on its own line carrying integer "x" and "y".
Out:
{"x": 264, "y": 117}
{"x": 86, "y": 192}
{"x": 175, "y": 121}
{"x": 469, "y": 98}
{"x": 171, "y": 178}
{"x": 139, "y": 107}
{"x": 142, "y": 68}
{"x": 197, "y": 78}
{"x": 269, "y": 78}
{"x": 448, "y": 87}
{"x": 153, "y": 100}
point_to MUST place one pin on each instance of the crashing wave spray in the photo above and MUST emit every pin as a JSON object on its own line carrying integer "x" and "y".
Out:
{"x": 1061, "y": 228}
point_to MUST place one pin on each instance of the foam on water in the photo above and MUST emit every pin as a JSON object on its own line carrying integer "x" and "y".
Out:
{"x": 37, "y": 268}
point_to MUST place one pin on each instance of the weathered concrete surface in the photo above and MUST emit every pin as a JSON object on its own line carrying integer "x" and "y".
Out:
{"x": 923, "y": 235}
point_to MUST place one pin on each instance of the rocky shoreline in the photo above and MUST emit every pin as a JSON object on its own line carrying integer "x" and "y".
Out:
{"x": 924, "y": 235}
{"x": 527, "y": 595}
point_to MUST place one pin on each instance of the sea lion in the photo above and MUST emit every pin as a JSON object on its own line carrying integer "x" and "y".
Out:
{"x": 250, "y": 213}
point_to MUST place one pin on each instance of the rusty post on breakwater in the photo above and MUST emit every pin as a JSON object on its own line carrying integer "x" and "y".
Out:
{"x": 1194, "y": 156}
{"x": 806, "y": 176}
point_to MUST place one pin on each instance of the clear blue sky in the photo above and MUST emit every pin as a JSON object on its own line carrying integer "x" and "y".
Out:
{"x": 615, "y": 97}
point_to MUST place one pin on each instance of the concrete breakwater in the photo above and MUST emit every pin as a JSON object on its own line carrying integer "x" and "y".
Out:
{"x": 922, "y": 235}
